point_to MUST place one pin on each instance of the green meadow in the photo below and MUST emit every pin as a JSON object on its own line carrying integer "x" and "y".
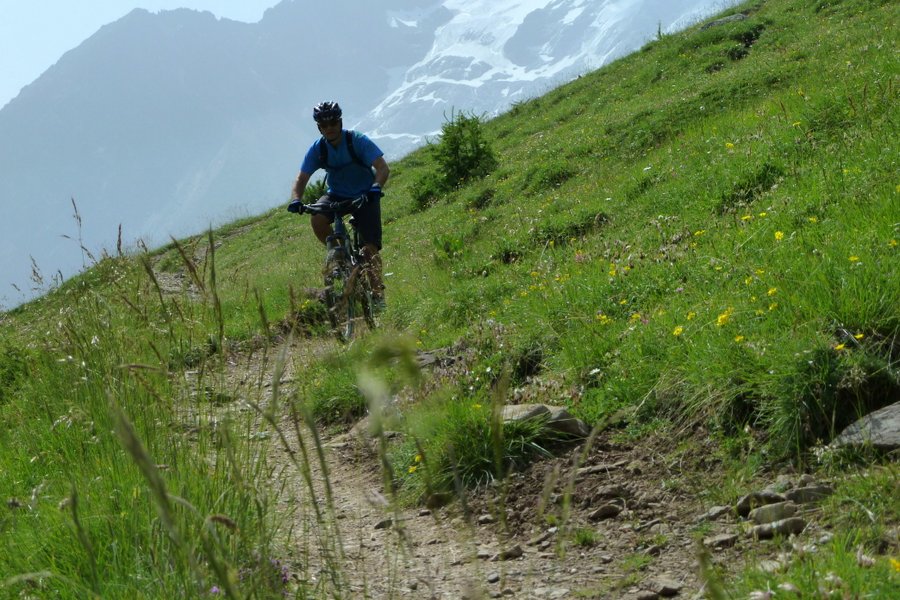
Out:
{"x": 699, "y": 240}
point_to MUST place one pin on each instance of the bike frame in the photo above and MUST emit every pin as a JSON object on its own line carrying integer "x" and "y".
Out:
{"x": 343, "y": 296}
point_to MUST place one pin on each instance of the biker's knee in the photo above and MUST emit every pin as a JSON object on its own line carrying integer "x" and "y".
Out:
{"x": 321, "y": 226}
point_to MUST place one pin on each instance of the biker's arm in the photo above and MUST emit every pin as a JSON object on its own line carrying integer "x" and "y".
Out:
{"x": 382, "y": 171}
{"x": 300, "y": 186}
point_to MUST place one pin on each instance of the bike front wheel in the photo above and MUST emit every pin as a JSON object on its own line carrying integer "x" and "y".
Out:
{"x": 341, "y": 310}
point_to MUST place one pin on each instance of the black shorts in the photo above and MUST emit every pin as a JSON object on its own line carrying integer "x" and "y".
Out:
{"x": 367, "y": 219}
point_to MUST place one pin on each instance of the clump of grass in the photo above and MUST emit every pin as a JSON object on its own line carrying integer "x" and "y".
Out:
{"x": 585, "y": 537}
{"x": 465, "y": 445}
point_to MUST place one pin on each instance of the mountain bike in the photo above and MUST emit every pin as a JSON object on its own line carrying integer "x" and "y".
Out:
{"x": 348, "y": 291}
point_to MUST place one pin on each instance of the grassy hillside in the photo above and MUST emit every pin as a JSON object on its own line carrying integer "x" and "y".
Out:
{"x": 700, "y": 237}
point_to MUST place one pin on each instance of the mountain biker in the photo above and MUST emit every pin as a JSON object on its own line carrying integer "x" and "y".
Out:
{"x": 355, "y": 169}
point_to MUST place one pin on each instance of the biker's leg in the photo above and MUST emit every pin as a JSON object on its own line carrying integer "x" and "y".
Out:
{"x": 373, "y": 269}
{"x": 321, "y": 226}
{"x": 368, "y": 220}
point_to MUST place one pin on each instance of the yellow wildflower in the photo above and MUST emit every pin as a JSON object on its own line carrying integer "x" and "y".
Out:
{"x": 779, "y": 235}
{"x": 892, "y": 243}
{"x": 772, "y": 291}
{"x": 813, "y": 219}
{"x": 729, "y": 145}
{"x": 762, "y": 215}
{"x": 723, "y": 318}
{"x": 773, "y": 306}
{"x": 840, "y": 347}
{"x": 747, "y": 218}
{"x": 412, "y": 469}
{"x": 691, "y": 315}
{"x": 748, "y": 281}
{"x": 854, "y": 258}
{"x": 678, "y": 331}
{"x": 895, "y": 564}
{"x": 418, "y": 458}
{"x": 635, "y": 317}
{"x": 859, "y": 336}
{"x": 738, "y": 339}
{"x": 699, "y": 232}
{"x": 603, "y": 319}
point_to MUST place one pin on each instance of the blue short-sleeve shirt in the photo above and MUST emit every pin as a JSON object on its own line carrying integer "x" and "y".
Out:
{"x": 346, "y": 177}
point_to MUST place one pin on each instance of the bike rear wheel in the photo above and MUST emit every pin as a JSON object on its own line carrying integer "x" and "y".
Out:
{"x": 341, "y": 310}
{"x": 348, "y": 298}
{"x": 363, "y": 292}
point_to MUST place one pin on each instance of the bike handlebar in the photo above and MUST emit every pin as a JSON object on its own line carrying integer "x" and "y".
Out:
{"x": 335, "y": 206}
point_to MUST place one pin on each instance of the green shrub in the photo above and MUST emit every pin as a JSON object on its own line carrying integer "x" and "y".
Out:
{"x": 463, "y": 153}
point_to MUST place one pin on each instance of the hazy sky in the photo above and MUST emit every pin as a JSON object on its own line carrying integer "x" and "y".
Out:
{"x": 34, "y": 34}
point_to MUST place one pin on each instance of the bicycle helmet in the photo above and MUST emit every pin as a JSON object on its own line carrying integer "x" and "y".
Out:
{"x": 327, "y": 111}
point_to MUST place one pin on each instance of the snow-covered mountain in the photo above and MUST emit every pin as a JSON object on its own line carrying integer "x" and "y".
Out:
{"x": 163, "y": 124}
{"x": 489, "y": 55}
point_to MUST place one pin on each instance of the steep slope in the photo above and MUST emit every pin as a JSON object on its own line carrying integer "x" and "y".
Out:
{"x": 165, "y": 123}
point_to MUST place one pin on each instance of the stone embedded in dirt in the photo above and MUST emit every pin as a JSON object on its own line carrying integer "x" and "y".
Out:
{"x": 805, "y": 480}
{"x": 812, "y": 493}
{"x": 665, "y": 587}
{"x": 486, "y": 519}
{"x": 601, "y": 468}
{"x": 644, "y": 595}
{"x": 755, "y": 500}
{"x": 714, "y": 513}
{"x": 607, "y": 511}
{"x": 773, "y": 512}
{"x": 879, "y": 429}
{"x": 782, "y": 483}
{"x": 493, "y": 577}
{"x": 723, "y": 540}
{"x": 384, "y": 524}
{"x": 789, "y": 526}
{"x": 524, "y": 412}
{"x": 543, "y": 537}
{"x": 610, "y": 491}
{"x": 562, "y": 421}
{"x": 558, "y": 418}
{"x": 724, "y": 21}
{"x": 509, "y": 554}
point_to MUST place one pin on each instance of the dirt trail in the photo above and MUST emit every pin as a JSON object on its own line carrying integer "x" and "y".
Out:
{"x": 627, "y": 526}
